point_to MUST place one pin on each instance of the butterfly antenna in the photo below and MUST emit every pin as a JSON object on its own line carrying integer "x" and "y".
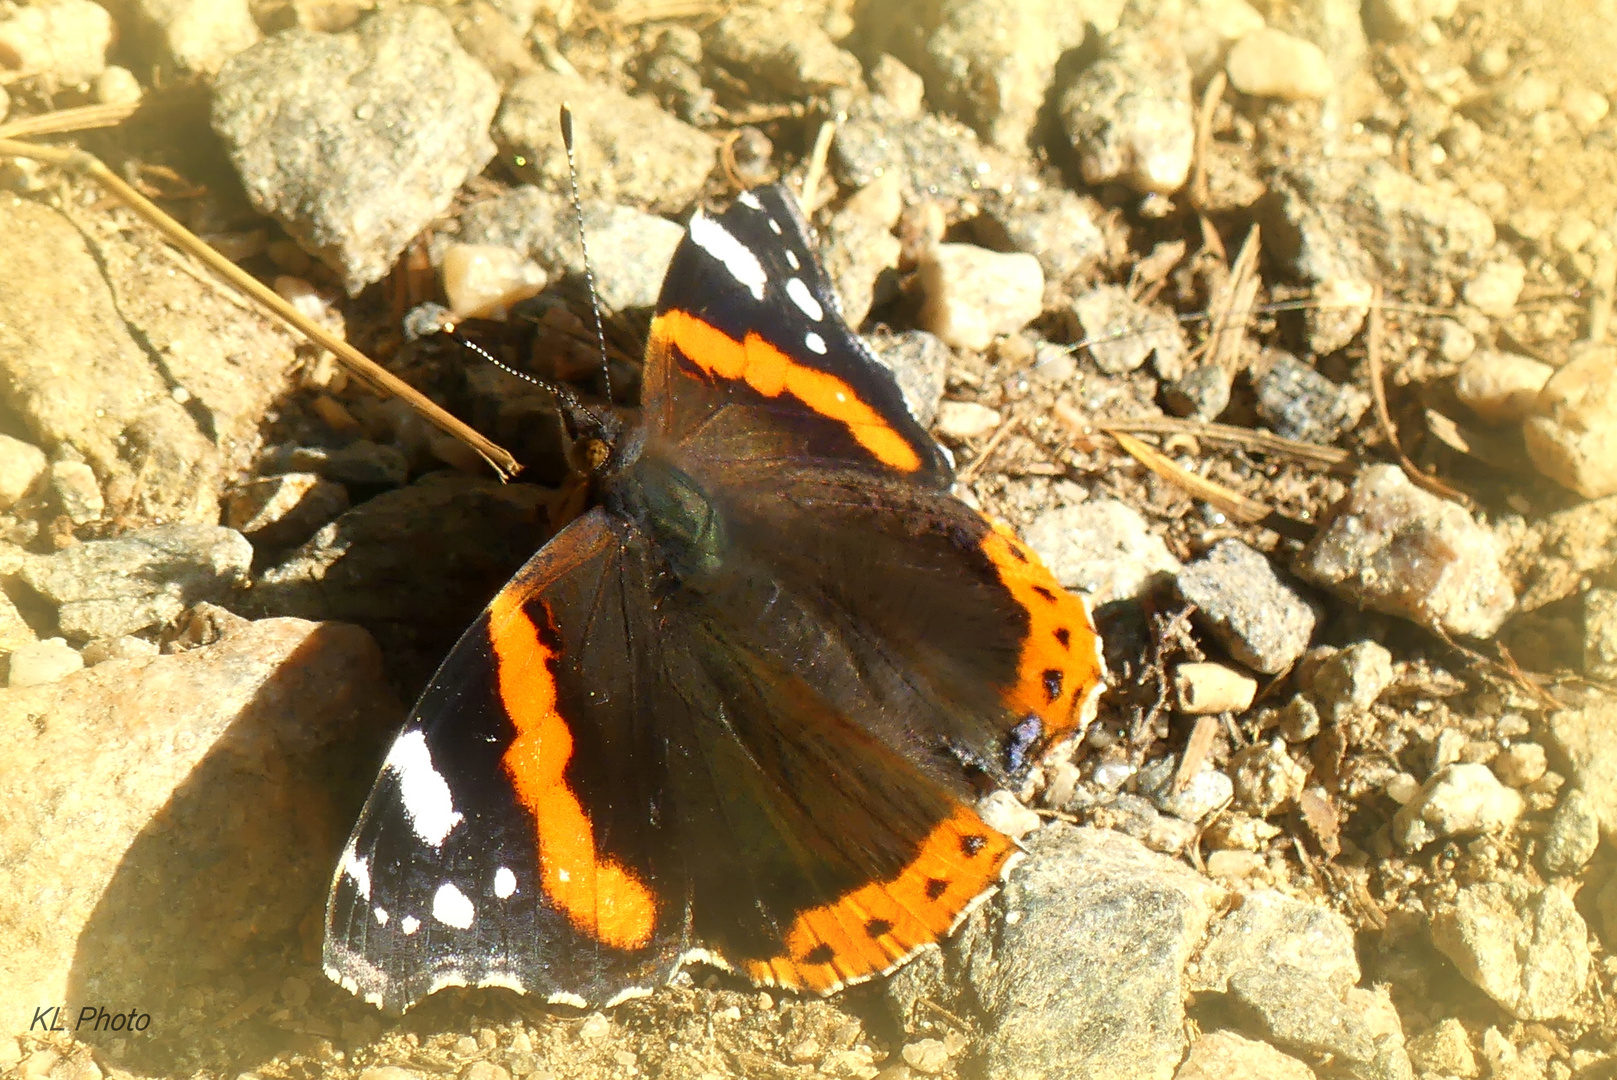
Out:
{"x": 579, "y": 415}
{"x": 583, "y": 246}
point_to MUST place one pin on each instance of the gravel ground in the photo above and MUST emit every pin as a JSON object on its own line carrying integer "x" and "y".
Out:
{"x": 1283, "y": 332}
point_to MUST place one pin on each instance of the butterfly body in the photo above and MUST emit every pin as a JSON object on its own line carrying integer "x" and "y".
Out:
{"x": 738, "y": 711}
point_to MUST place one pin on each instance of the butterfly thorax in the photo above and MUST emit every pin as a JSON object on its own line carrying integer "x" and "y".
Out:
{"x": 670, "y": 508}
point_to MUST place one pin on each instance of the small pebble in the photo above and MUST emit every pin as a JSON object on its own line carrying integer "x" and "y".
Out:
{"x": 1500, "y": 386}
{"x": 1600, "y": 634}
{"x": 1393, "y": 547}
{"x": 125, "y": 647}
{"x": 1201, "y": 688}
{"x": 1401, "y": 788}
{"x": 483, "y": 280}
{"x": 1102, "y": 547}
{"x": 973, "y": 294}
{"x": 274, "y": 511}
{"x": 43, "y": 662}
{"x": 1491, "y": 62}
{"x": 1299, "y": 720}
{"x": 1456, "y": 800}
{"x": 926, "y": 1056}
{"x": 1245, "y": 605}
{"x": 21, "y": 464}
{"x": 117, "y": 86}
{"x": 1574, "y": 231}
{"x": 1444, "y": 1048}
{"x": 1273, "y": 64}
{"x": 1585, "y": 107}
{"x": 1572, "y": 434}
{"x": 65, "y": 41}
{"x": 1300, "y": 403}
{"x": 1267, "y": 778}
{"x": 1345, "y": 682}
{"x": 1234, "y": 865}
{"x": 1521, "y": 764}
{"x": 76, "y": 492}
{"x": 1495, "y": 288}
{"x": 1573, "y": 835}
{"x": 1003, "y": 811}
{"x": 595, "y": 1026}
{"x": 959, "y": 421}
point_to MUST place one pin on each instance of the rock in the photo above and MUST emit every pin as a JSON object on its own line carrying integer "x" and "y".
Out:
{"x": 1495, "y": 288}
{"x": 126, "y": 647}
{"x": 1129, "y": 114}
{"x": 361, "y": 462}
{"x": 75, "y": 492}
{"x": 920, "y": 363}
{"x": 1219, "y": 1055}
{"x": 929, "y": 1057}
{"x": 1210, "y": 27}
{"x": 1065, "y": 231}
{"x": 1521, "y": 764}
{"x": 105, "y": 588}
{"x": 1135, "y": 816}
{"x": 933, "y": 157}
{"x": 1267, "y": 778}
{"x": 1291, "y": 967}
{"x": 118, "y": 86}
{"x": 1203, "y": 393}
{"x": 1560, "y": 550}
{"x": 1298, "y": 720}
{"x": 1234, "y": 865}
{"x": 274, "y": 511}
{"x": 1444, "y": 1048}
{"x": 65, "y": 41}
{"x": 1121, "y": 334}
{"x": 1300, "y": 403}
{"x": 1269, "y": 930}
{"x": 78, "y": 329}
{"x": 990, "y": 62}
{"x": 1246, "y": 607}
{"x": 251, "y": 754}
{"x": 1085, "y": 973}
{"x": 629, "y": 249}
{"x": 1345, "y": 682}
{"x": 1573, "y": 835}
{"x": 791, "y": 57}
{"x": 1212, "y": 688}
{"x": 1271, "y": 63}
{"x": 628, "y": 149}
{"x": 1500, "y": 386}
{"x": 1002, "y": 811}
{"x": 959, "y": 421}
{"x": 1337, "y": 27}
{"x": 43, "y": 662}
{"x": 1585, "y": 107}
{"x": 1102, "y": 548}
{"x": 1586, "y": 738}
{"x": 198, "y": 36}
{"x": 1456, "y": 800}
{"x": 973, "y": 294}
{"x": 21, "y": 465}
{"x": 1397, "y": 549}
{"x": 858, "y": 246}
{"x": 1572, "y": 434}
{"x": 484, "y": 280}
{"x": 14, "y": 629}
{"x": 1526, "y": 948}
{"x": 355, "y": 142}
{"x": 1206, "y": 791}
{"x": 1600, "y": 634}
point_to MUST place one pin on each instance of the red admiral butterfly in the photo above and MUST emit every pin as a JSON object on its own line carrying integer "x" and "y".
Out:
{"x": 738, "y": 711}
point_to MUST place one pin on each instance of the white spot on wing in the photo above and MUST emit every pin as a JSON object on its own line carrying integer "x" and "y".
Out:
{"x": 505, "y": 882}
{"x": 628, "y": 994}
{"x": 743, "y": 265}
{"x": 409, "y": 924}
{"x": 749, "y": 200}
{"x": 815, "y": 342}
{"x": 791, "y": 259}
{"x": 357, "y": 870}
{"x": 381, "y": 916}
{"x": 451, "y": 907}
{"x": 564, "y": 997}
{"x": 774, "y": 226}
{"x": 425, "y": 794}
{"x": 804, "y": 299}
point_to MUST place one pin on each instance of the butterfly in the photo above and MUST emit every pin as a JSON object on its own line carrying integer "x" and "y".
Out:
{"x": 739, "y": 711}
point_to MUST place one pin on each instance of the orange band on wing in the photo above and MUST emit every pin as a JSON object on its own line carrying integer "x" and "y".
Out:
{"x": 876, "y": 927}
{"x": 1059, "y": 669}
{"x": 600, "y": 897}
{"x": 771, "y": 372}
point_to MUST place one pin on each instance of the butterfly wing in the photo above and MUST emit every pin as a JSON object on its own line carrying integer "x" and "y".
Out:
{"x": 748, "y": 354}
